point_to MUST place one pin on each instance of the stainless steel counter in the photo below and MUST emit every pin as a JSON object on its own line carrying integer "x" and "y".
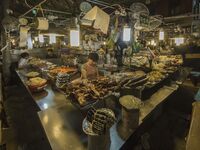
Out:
{"x": 45, "y": 99}
{"x": 63, "y": 127}
{"x": 62, "y": 122}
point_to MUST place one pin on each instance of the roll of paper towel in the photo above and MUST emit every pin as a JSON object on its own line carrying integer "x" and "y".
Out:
{"x": 42, "y": 23}
{"x": 23, "y": 36}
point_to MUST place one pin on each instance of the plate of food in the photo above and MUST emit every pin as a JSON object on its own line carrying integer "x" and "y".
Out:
{"x": 62, "y": 69}
{"x": 85, "y": 94}
{"x": 37, "y": 84}
{"x": 32, "y": 74}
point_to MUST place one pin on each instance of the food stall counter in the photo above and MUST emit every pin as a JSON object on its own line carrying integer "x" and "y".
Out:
{"x": 63, "y": 124}
{"x": 46, "y": 98}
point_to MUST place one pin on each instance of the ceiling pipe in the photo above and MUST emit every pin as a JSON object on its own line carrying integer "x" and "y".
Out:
{"x": 106, "y": 5}
{"x": 181, "y": 16}
{"x": 101, "y": 4}
{"x": 57, "y": 11}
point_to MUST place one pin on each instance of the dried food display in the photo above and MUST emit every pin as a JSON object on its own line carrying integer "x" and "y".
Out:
{"x": 138, "y": 61}
{"x": 90, "y": 91}
{"x": 32, "y": 74}
{"x": 99, "y": 121}
{"x": 36, "y": 84}
{"x": 171, "y": 60}
{"x": 155, "y": 77}
{"x": 130, "y": 79}
{"x": 62, "y": 69}
{"x": 39, "y": 63}
{"x": 62, "y": 79}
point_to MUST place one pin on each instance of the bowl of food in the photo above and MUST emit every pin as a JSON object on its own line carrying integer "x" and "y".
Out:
{"x": 62, "y": 69}
{"x": 32, "y": 74}
{"x": 37, "y": 84}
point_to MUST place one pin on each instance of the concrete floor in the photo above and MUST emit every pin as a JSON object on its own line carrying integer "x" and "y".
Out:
{"x": 170, "y": 130}
{"x": 25, "y": 132}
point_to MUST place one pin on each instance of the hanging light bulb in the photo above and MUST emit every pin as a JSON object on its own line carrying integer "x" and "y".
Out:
{"x": 52, "y": 38}
{"x": 74, "y": 38}
{"x": 126, "y": 34}
{"x": 41, "y": 38}
{"x": 29, "y": 41}
{"x": 179, "y": 41}
{"x": 161, "y": 35}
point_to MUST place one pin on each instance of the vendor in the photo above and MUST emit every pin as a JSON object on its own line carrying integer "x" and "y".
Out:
{"x": 50, "y": 54}
{"x": 23, "y": 62}
{"x": 89, "y": 70}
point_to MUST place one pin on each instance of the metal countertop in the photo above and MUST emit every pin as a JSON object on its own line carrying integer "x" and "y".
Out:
{"x": 45, "y": 99}
{"x": 62, "y": 122}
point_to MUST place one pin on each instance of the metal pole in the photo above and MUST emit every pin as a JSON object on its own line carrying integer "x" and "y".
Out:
{"x": 57, "y": 11}
{"x": 182, "y": 16}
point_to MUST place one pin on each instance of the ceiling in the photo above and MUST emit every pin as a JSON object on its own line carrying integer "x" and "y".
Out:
{"x": 64, "y": 9}
{"x": 72, "y": 6}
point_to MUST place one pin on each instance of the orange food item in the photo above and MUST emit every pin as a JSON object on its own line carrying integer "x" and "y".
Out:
{"x": 36, "y": 82}
{"x": 62, "y": 70}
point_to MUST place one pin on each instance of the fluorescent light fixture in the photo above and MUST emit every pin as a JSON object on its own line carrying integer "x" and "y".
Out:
{"x": 126, "y": 34}
{"x": 179, "y": 41}
{"x": 74, "y": 38}
{"x": 41, "y": 38}
{"x": 29, "y": 41}
{"x": 52, "y": 38}
{"x": 161, "y": 35}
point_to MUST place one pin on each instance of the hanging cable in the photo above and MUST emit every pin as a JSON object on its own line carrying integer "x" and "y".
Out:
{"x": 33, "y": 8}
{"x": 27, "y": 4}
{"x": 41, "y": 10}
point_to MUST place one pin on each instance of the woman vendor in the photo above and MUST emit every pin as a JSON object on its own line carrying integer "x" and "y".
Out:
{"x": 24, "y": 59}
{"x": 89, "y": 70}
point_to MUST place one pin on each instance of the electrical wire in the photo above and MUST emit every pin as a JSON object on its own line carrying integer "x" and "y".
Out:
{"x": 27, "y": 4}
{"x": 33, "y": 8}
{"x": 40, "y": 7}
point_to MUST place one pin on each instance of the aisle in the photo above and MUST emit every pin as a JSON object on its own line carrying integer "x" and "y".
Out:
{"x": 171, "y": 129}
{"x": 22, "y": 119}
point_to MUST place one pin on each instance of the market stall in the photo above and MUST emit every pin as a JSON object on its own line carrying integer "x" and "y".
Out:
{"x": 62, "y": 100}
{"x": 98, "y": 76}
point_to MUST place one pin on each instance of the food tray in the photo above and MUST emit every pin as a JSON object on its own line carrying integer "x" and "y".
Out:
{"x": 75, "y": 102}
{"x": 88, "y": 104}
{"x": 148, "y": 86}
{"x": 37, "y": 89}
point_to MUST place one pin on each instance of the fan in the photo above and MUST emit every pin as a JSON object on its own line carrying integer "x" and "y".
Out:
{"x": 139, "y": 15}
{"x": 85, "y": 7}
{"x": 137, "y": 9}
{"x": 10, "y": 23}
{"x": 155, "y": 22}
